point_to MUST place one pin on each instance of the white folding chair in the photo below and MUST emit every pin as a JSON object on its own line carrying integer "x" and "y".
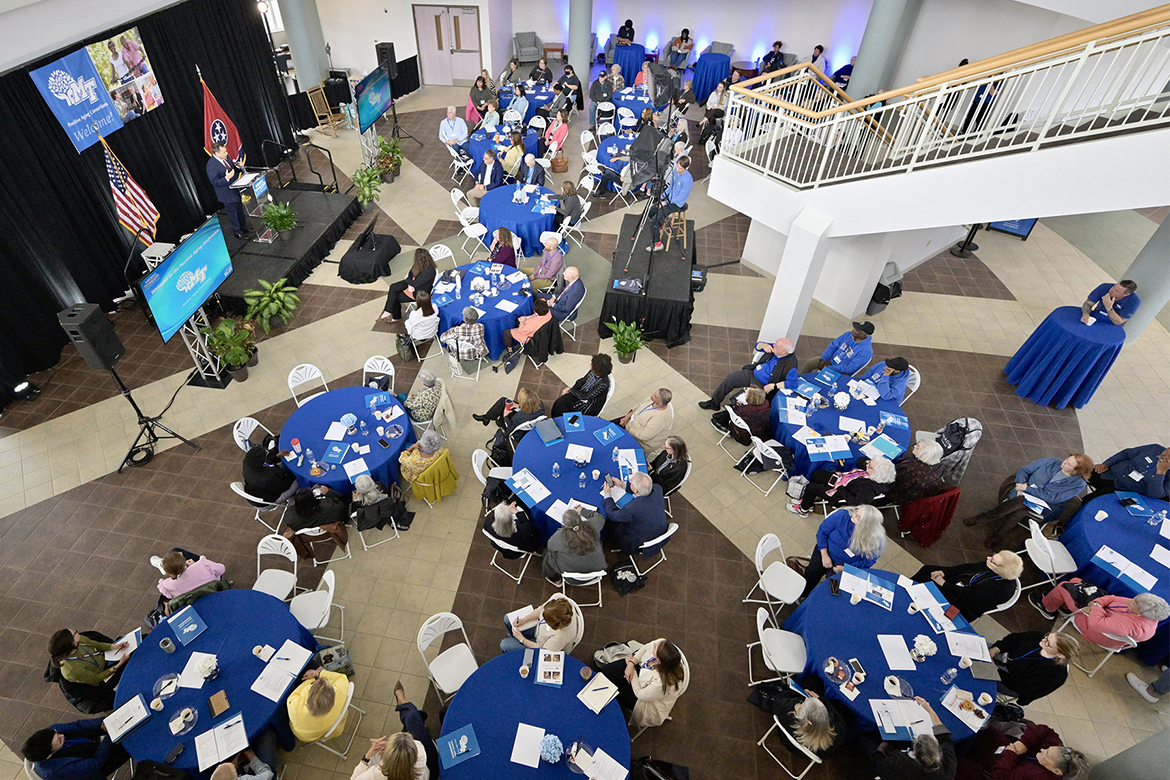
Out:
{"x": 585, "y": 186}
{"x": 473, "y": 233}
{"x": 626, "y": 118}
{"x": 571, "y": 317}
{"x": 676, "y": 488}
{"x": 1126, "y": 642}
{"x": 242, "y": 432}
{"x": 776, "y": 581}
{"x": 453, "y": 666}
{"x": 362, "y": 534}
{"x": 761, "y": 450}
{"x": 587, "y": 140}
{"x": 333, "y": 731}
{"x": 279, "y": 583}
{"x": 378, "y": 365}
{"x": 523, "y": 427}
{"x": 499, "y": 545}
{"x": 463, "y": 207}
{"x": 512, "y": 117}
{"x": 302, "y": 374}
{"x": 569, "y": 229}
{"x": 609, "y": 393}
{"x": 552, "y": 150}
{"x": 605, "y": 131}
{"x": 606, "y": 111}
{"x": 913, "y": 382}
{"x": 813, "y": 758}
{"x": 421, "y": 331}
{"x": 737, "y": 421}
{"x": 1011, "y": 602}
{"x": 441, "y": 252}
{"x": 261, "y": 506}
{"x": 481, "y": 458}
{"x": 645, "y": 547}
{"x": 538, "y": 124}
{"x": 314, "y": 534}
{"x": 313, "y": 609}
{"x": 584, "y": 580}
{"x": 455, "y": 363}
{"x": 1051, "y": 557}
{"x": 784, "y": 652}
{"x": 460, "y": 165}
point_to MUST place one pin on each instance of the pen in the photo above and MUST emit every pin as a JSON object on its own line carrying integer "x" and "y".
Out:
{"x": 282, "y": 658}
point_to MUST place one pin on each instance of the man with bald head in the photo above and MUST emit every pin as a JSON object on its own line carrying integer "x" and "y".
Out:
{"x": 641, "y": 519}
{"x": 530, "y": 172}
{"x": 768, "y": 371}
{"x": 563, "y": 304}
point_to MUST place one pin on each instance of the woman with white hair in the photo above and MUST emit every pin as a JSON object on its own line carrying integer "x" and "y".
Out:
{"x": 510, "y": 523}
{"x": 852, "y": 535}
{"x": 422, "y": 402}
{"x": 976, "y": 588}
{"x": 931, "y": 756}
{"x": 418, "y": 456}
{"x": 871, "y": 479}
{"x": 919, "y": 473}
{"x": 1136, "y": 618}
{"x": 366, "y": 492}
{"x": 818, "y": 725}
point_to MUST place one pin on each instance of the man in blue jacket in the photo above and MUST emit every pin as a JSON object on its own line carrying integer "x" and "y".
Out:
{"x": 561, "y": 306}
{"x": 80, "y": 750}
{"x": 490, "y": 176}
{"x": 530, "y": 172}
{"x": 1144, "y": 470}
{"x": 673, "y": 200}
{"x": 643, "y": 518}
{"x": 222, "y": 171}
{"x": 847, "y": 353}
{"x": 1111, "y": 303}
{"x": 890, "y": 378}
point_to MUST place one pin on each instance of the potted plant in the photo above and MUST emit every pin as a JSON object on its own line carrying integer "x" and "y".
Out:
{"x": 627, "y": 339}
{"x": 279, "y": 217}
{"x": 229, "y": 342}
{"x": 253, "y": 349}
{"x": 271, "y": 301}
{"x": 367, "y": 183}
{"x": 389, "y": 158}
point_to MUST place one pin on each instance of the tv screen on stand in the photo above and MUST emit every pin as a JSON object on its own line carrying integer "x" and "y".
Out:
{"x": 189, "y": 275}
{"x": 373, "y": 96}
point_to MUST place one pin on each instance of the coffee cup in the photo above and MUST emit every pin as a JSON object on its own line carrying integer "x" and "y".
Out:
{"x": 964, "y": 663}
{"x": 597, "y": 473}
{"x": 524, "y": 671}
{"x": 257, "y": 650}
{"x": 586, "y": 672}
{"x": 188, "y": 715}
{"x": 913, "y": 608}
{"x": 167, "y": 645}
{"x": 381, "y": 431}
{"x": 156, "y": 704}
{"x": 985, "y": 698}
{"x": 855, "y": 598}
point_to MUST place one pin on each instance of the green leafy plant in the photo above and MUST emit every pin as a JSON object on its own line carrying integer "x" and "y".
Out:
{"x": 627, "y": 337}
{"x": 367, "y": 183}
{"x": 279, "y": 216}
{"x": 389, "y": 157}
{"x": 229, "y": 342}
{"x": 271, "y": 300}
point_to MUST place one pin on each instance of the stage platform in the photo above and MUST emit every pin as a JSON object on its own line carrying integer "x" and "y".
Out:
{"x": 323, "y": 219}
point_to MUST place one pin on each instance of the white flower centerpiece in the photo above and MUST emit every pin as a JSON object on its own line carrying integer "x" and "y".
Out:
{"x": 924, "y": 647}
{"x": 208, "y": 666}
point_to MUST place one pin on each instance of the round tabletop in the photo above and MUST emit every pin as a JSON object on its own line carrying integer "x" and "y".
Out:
{"x": 1126, "y": 533}
{"x": 311, "y": 422}
{"x": 480, "y": 141}
{"x": 710, "y": 69}
{"x": 496, "y": 210}
{"x": 496, "y": 699}
{"x": 633, "y": 98}
{"x": 495, "y": 320}
{"x": 1064, "y": 360}
{"x": 629, "y": 59}
{"x": 611, "y": 146}
{"x": 237, "y": 621}
{"x": 833, "y": 627}
{"x": 828, "y": 421}
{"x": 536, "y": 94}
{"x": 534, "y": 455}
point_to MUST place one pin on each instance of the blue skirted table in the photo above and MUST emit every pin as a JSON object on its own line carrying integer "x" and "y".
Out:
{"x": 311, "y": 422}
{"x": 237, "y": 621}
{"x": 480, "y": 142}
{"x": 611, "y": 146}
{"x": 1133, "y": 537}
{"x": 1064, "y": 360}
{"x": 496, "y": 210}
{"x": 496, "y": 699}
{"x": 494, "y": 319}
{"x": 633, "y": 98}
{"x": 537, "y": 95}
{"x": 629, "y": 59}
{"x": 709, "y": 71}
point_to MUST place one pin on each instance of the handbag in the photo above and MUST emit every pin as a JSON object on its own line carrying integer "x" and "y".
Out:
{"x": 402, "y": 342}
{"x": 559, "y": 164}
{"x": 335, "y": 659}
{"x": 797, "y": 563}
{"x": 796, "y": 487}
{"x": 1083, "y": 593}
{"x": 625, "y": 579}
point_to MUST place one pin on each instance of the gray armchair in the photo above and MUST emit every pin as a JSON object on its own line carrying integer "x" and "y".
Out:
{"x": 527, "y": 47}
{"x": 719, "y": 48}
{"x": 610, "y": 45}
{"x": 593, "y": 50}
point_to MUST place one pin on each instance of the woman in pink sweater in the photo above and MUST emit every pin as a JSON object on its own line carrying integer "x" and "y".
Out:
{"x": 1136, "y": 618}
{"x": 185, "y": 575}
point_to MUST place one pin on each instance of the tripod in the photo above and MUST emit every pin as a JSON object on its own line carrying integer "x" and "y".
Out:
{"x": 141, "y": 454}
{"x": 397, "y": 131}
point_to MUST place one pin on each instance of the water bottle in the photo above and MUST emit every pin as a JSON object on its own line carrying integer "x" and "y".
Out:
{"x": 949, "y": 676}
{"x": 581, "y": 481}
{"x": 312, "y": 458}
{"x": 364, "y": 428}
{"x": 458, "y": 287}
{"x": 1158, "y": 519}
{"x": 556, "y": 470}
{"x": 615, "y": 454}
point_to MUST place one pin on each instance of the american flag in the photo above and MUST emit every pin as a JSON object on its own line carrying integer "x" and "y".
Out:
{"x": 135, "y": 209}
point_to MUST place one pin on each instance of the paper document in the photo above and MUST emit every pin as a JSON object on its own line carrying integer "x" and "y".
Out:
{"x": 336, "y": 432}
{"x": 355, "y": 468}
{"x": 882, "y": 445}
{"x": 578, "y": 453}
{"x": 794, "y": 417}
{"x": 244, "y": 181}
{"x": 508, "y": 306}
{"x": 526, "y": 748}
{"x": 604, "y": 767}
{"x": 1161, "y": 555}
{"x": 597, "y": 693}
{"x": 896, "y": 652}
{"x": 272, "y": 682}
{"x": 393, "y": 413}
{"x": 221, "y": 743}
{"x": 516, "y": 276}
{"x": 804, "y": 434}
{"x": 938, "y": 620}
{"x": 892, "y": 715}
{"x": 129, "y": 715}
{"x": 191, "y": 677}
{"x": 134, "y": 638}
{"x": 849, "y": 425}
{"x": 526, "y": 483}
{"x": 1035, "y": 502}
{"x": 922, "y": 595}
{"x": 291, "y": 657}
{"x": 557, "y": 510}
{"x": 971, "y": 646}
{"x": 516, "y": 614}
{"x": 1165, "y": 530}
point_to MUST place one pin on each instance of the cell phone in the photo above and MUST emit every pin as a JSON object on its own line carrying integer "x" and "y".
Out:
{"x": 857, "y": 667}
{"x": 1127, "y": 502}
{"x": 176, "y": 751}
{"x": 835, "y": 587}
{"x": 383, "y": 444}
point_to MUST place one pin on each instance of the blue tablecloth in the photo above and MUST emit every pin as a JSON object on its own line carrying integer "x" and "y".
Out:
{"x": 495, "y": 321}
{"x": 709, "y": 71}
{"x": 480, "y": 142}
{"x": 237, "y": 621}
{"x": 1134, "y": 538}
{"x": 611, "y": 145}
{"x": 633, "y": 98}
{"x": 496, "y": 210}
{"x": 832, "y": 626}
{"x": 534, "y": 455}
{"x": 310, "y": 423}
{"x": 826, "y": 421}
{"x": 629, "y": 59}
{"x": 1064, "y": 360}
{"x": 537, "y": 96}
{"x": 496, "y": 699}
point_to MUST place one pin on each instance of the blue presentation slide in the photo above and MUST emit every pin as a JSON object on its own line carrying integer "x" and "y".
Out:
{"x": 373, "y": 96}
{"x": 190, "y": 274}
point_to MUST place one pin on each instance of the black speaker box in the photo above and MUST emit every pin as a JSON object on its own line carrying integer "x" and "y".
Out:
{"x": 385, "y": 50}
{"x": 93, "y": 335}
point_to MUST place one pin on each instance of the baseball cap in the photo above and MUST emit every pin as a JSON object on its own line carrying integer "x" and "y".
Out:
{"x": 898, "y": 363}
{"x": 865, "y": 327}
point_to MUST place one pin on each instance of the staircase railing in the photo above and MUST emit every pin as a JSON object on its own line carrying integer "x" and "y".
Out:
{"x": 795, "y": 125}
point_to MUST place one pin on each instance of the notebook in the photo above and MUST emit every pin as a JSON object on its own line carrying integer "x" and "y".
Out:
{"x": 549, "y": 431}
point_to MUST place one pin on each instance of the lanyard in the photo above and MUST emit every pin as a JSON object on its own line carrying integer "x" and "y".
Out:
{"x": 651, "y": 406}
{"x": 1030, "y": 652}
{"x": 981, "y": 575}
{"x": 87, "y": 658}
{"x": 647, "y": 662}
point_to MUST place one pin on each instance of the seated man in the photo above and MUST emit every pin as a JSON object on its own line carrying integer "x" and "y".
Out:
{"x": 600, "y": 91}
{"x": 80, "y": 750}
{"x": 490, "y": 176}
{"x": 844, "y": 73}
{"x": 642, "y": 518}
{"x": 890, "y": 378}
{"x": 768, "y": 371}
{"x": 529, "y": 172}
{"x": 930, "y": 757}
{"x": 848, "y": 353}
{"x": 453, "y": 131}
{"x": 421, "y": 404}
{"x": 466, "y": 339}
{"x": 1113, "y": 303}
{"x": 258, "y": 762}
{"x": 563, "y": 304}
{"x": 650, "y": 421}
{"x": 673, "y": 200}
{"x": 1144, "y": 470}
{"x": 265, "y": 475}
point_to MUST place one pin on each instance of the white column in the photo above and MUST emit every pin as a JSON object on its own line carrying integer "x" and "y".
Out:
{"x": 580, "y": 35}
{"x": 1151, "y": 270}
{"x": 878, "y": 45}
{"x": 306, "y": 42}
{"x": 797, "y": 276}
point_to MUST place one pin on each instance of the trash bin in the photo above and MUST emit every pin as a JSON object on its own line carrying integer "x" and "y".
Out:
{"x": 888, "y": 288}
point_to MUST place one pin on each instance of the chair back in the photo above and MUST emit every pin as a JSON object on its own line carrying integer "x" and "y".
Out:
{"x": 440, "y": 252}
{"x": 586, "y": 184}
{"x": 683, "y": 481}
{"x": 340, "y": 718}
{"x": 512, "y": 116}
{"x": 737, "y": 421}
{"x": 275, "y": 544}
{"x": 609, "y": 393}
{"x": 626, "y": 117}
{"x": 794, "y": 741}
{"x": 765, "y": 451}
{"x": 378, "y": 365}
{"x": 30, "y": 771}
{"x": 913, "y": 382}
{"x": 305, "y": 372}
{"x": 606, "y": 129}
{"x": 573, "y": 314}
{"x": 501, "y": 544}
{"x": 238, "y": 489}
{"x": 537, "y": 123}
{"x": 578, "y": 624}
{"x": 328, "y": 583}
{"x": 456, "y": 196}
{"x": 587, "y": 140}
{"x": 1038, "y": 538}
{"x": 423, "y": 328}
{"x": 437, "y": 625}
{"x": 583, "y": 579}
{"x": 479, "y": 459}
{"x": 1011, "y": 602}
{"x": 528, "y": 426}
{"x": 606, "y": 111}
{"x": 658, "y": 541}
{"x": 242, "y": 432}
{"x": 768, "y": 544}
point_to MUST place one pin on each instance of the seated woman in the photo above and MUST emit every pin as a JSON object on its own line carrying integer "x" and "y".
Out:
{"x": 490, "y": 118}
{"x": 560, "y": 102}
{"x": 976, "y": 588}
{"x": 575, "y": 547}
{"x": 540, "y": 72}
{"x": 519, "y": 103}
{"x": 526, "y": 328}
{"x": 422, "y": 403}
{"x": 587, "y": 395}
{"x": 423, "y": 322}
{"x": 773, "y": 60}
{"x": 418, "y": 456}
{"x": 509, "y": 522}
{"x": 185, "y": 575}
{"x": 420, "y": 277}
{"x": 680, "y": 132}
{"x": 551, "y": 260}
{"x": 1052, "y": 480}
{"x": 503, "y": 249}
{"x": 670, "y": 466}
{"x": 815, "y": 723}
{"x": 489, "y": 81}
{"x": 316, "y": 704}
{"x": 920, "y": 473}
{"x": 862, "y": 485}
{"x": 555, "y": 628}
{"x": 1136, "y": 618}
{"x": 931, "y": 756}
{"x": 507, "y": 414}
{"x": 649, "y": 681}
{"x": 366, "y": 492}
{"x": 408, "y": 755}
{"x": 515, "y": 154}
{"x": 1038, "y": 754}
{"x": 644, "y": 121}
{"x": 318, "y": 507}
{"x": 852, "y": 535}
{"x": 477, "y": 99}
{"x": 83, "y": 660}
{"x": 753, "y": 410}
{"x": 556, "y": 133}
{"x": 716, "y": 108}
{"x": 1033, "y": 664}
{"x": 644, "y": 76}
{"x": 680, "y": 49}
{"x": 568, "y": 206}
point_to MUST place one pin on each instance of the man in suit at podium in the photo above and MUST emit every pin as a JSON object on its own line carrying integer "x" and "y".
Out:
{"x": 222, "y": 172}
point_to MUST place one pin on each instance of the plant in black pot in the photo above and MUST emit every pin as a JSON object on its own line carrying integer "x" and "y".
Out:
{"x": 279, "y": 217}
{"x": 229, "y": 342}
{"x": 253, "y": 349}
{"x": 627, "y": 339}
{"x": 271, "y": 301}
{"x": 389, "y": 158}
{"x": 367, "y": 185}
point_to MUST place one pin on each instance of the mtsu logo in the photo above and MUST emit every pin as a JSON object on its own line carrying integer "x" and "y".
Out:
{"x": 72, "y": 91}
{"x": 188, "y": 280}
{"x": 218, "y": 132}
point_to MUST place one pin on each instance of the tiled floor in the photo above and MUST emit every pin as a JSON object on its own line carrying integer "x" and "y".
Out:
{"x": 74, "y": 539}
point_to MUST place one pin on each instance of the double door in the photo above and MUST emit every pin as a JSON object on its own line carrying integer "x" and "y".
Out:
{"x": 448, "y": 44}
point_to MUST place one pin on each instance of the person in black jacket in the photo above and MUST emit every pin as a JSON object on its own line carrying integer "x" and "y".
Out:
{"x": 643, "y": 518}
{"x": 420, "y": 277}
{"x": 815, "y": 723}
{"x": 670, "y": 466}
{"x": 931, "y": 756}
{"x": 976, "y": 588}
{"x": 265, "y": 475}
{"x": 80, "y": 750}
{"x": 317, "y": 507}
{"x": 1033, "y": 664}
{"x": 767, "y": 371}
{"x": 510, "y": 523}
{"x": 540, "y": 72}
{"x": 507, "y": 413}
{"x": 587, "y": 395}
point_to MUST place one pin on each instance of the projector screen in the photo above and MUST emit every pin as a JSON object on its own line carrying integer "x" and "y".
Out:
{"x": 373, "y": 96}
{"x": 180, "y": 284}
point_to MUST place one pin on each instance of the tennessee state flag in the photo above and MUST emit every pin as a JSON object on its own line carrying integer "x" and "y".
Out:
{"x": 218, "y": 129}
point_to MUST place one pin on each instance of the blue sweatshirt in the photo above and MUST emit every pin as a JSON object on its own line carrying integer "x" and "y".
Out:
{"x": 1046, "y": 481}
{"x": 834, "y": 535}
{"x": 1142, "y": 461}
{"x": 891, "y": 388}
{"x": 846, "y": 355}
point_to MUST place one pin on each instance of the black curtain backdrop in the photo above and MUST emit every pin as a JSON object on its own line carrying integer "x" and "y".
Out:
{"x": 61, "y": 242}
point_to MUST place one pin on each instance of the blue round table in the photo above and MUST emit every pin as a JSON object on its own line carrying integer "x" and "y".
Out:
{"x": 633, "y": 98}
{"x": 832, "y": 626}
{"x": 496, "y": 699}
{"x": 609, "y": 147}
{"x": 629, "y": 59}
{"x": 480, "y": 142}
{"x": 1134, "y": 538}
{"x": 237, "y": 621}
{"x": 709, "y": 71}
{"x": 537, "y": 96}
{"x": 311, "y": 422}
{"x": 532, "y": 454}
{"x": 494, "y": 320}
{"x": 1064, "y": 360}
{"x": 496, "y": 210}
{"x": 827, "y": 421}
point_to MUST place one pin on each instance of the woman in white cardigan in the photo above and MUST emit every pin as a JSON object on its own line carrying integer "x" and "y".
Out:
{"x": 557, "y": 626}
{"x": 650, "y": 681}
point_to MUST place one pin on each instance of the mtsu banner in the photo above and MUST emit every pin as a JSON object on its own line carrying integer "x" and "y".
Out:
{"x": 76, "y": 95}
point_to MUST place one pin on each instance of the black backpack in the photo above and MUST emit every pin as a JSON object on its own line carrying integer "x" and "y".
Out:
{"x": 953, "y": 436}
{"x": 390, "y": 510}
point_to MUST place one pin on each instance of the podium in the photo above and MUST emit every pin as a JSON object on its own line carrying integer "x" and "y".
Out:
{"x": 253, "y": 189}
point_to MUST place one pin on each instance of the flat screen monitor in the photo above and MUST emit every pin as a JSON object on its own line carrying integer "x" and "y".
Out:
{"x": 373, "y": 96}
{"x": 191, "y": 273}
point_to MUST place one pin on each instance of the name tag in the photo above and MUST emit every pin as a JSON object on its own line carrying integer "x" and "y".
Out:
{"x": 850, "y": 553}
{"x": 1135, "y": 476}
